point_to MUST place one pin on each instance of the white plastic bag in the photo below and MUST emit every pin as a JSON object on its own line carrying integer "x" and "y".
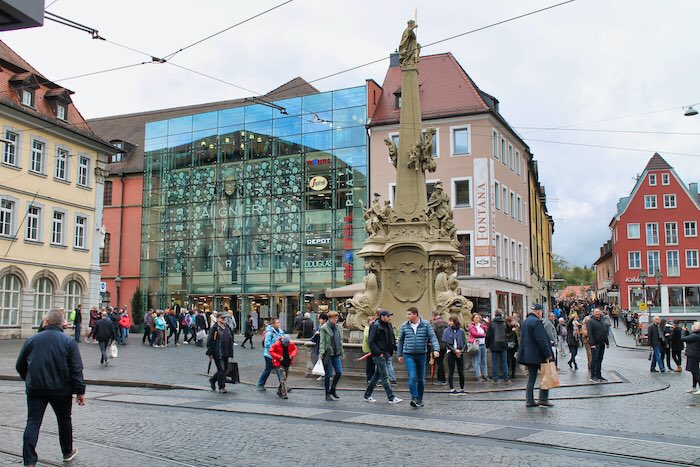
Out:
{"x": 201, "y": 334}
{"x": 318, "y": 368}
{"x": 113, "y": 350}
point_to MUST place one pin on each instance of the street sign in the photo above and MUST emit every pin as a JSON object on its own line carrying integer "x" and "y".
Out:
{"x": 103, "y": 286}
{"x": 643, "y": 306}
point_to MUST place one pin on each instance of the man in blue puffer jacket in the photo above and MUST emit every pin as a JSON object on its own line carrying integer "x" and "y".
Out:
{"x": 272, "y": 333}
{"x": 413, "y": 347}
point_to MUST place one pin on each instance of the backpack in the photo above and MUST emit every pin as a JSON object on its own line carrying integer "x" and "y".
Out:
{"x": 262, "y": 338}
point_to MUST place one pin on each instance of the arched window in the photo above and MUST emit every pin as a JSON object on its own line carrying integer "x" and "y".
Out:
{"x": 73, "y": 291}
{"x": 43, "y": 292}
{"x": 9, "y": 300}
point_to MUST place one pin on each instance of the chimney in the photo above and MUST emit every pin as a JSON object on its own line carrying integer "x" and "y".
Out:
{"x": 693, "y": 187}
{"x": 394, "y": 59}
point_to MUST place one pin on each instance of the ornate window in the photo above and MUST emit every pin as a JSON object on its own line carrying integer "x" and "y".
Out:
{"x": 43, "y": 294}
{"x": 73, "y": 292}
{"x": 9, "y": 300}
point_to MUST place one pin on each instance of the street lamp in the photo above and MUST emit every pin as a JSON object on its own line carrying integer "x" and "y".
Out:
{"x": 643, "y": 279}
{"x": 658, "y": 276}
{"x": 118, "y": 284}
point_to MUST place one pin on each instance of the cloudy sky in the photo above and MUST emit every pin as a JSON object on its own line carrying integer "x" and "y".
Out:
{"x": 583, "y": 83}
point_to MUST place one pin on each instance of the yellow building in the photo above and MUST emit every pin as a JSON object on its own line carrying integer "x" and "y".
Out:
{"x": 541, "y": 231}
{"x": 51, "y": 195}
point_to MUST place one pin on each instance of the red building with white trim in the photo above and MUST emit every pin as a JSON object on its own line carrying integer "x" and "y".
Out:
{"x": 656, "y": 228}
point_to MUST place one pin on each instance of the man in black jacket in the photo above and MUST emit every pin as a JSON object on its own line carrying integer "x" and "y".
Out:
{"x": 52, "y": 369}
{"x": 104, "y": 334}
{"x": 496, "y": 342}
{"x": 656, "y": 339}
{"x": 535, "y": 349}
{"x": 382, "y": 344}
{"x": 598, "y": 340}
{"x": 77, "y": 321}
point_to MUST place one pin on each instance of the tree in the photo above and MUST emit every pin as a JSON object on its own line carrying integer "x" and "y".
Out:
{"x": 137, "y": 307}
{"x": 575, "y": 275}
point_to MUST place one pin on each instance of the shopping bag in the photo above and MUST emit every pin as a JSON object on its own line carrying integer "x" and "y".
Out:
{"x": 232, "y": 375}
{"x": 550, "y": 378}
{"x": 318, "y": 368}
{"x": 201, "y": 334}
{"x": 113, "y": 350}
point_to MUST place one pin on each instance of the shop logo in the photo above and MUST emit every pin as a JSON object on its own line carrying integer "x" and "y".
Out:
{"x": 318, "y": 161}
{"x": 323, "y": 263}
{"x": 318, "y": 183}
{"x": 318, "y": 241}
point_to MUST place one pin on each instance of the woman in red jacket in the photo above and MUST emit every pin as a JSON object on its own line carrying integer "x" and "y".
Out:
{"x": 283, "y": 352}
{"x": 125, "y": 325}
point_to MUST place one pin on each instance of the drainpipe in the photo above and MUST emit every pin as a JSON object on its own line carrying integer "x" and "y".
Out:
{"x": 121, "y": 234}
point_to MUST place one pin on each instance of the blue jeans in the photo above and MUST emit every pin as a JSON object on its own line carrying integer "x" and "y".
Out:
{"x": 480, "y": 362}
{"x": 497, "y": 357}
{"x": 266, "y": 372}
{"x": 36, "y": 406}
{"x": 77, "y": 333}
{"x": 125, "y": 334}
{"x": 332, "y": 363}
{"x": 415, "y": 366}
{"x": 656, "y": 357}
{"x": 380, "y": 371}
{"x": 390, "y": 368}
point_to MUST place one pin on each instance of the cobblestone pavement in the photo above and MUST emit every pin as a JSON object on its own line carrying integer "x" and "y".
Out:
{"x": 642, "y": 423}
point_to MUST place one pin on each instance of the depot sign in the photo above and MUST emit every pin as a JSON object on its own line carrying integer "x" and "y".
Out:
{"x": 318, "y": 241}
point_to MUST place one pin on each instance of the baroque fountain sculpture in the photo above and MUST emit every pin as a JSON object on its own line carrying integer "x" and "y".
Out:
{"x": 411, "y": 250}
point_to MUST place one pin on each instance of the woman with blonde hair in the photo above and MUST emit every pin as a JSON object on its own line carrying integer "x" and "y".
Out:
{"x": 692, "y": 353}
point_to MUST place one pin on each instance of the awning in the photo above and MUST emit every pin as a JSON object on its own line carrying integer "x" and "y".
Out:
{"x": 474, "y": 292}
{"x": 346, "y": 290}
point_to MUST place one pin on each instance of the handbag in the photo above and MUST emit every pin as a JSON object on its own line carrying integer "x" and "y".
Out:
{"x": 113, "y": 350}
{"x": 473, "y": 347}
{"x": 550, "y": 378}
{"x": 319, "y": 370}
{"x": 201, "y": 334}
{"x": 232, "y": 374}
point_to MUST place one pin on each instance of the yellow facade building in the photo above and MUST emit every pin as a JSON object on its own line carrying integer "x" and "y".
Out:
{"x": 51, "y": 194}
{"x": 541, "y": 231}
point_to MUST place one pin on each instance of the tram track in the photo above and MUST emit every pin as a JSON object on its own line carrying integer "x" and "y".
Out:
{"x": 93, "y": 444}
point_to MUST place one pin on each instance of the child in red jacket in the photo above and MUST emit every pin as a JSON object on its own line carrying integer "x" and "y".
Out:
{"x": 283, "y": 352}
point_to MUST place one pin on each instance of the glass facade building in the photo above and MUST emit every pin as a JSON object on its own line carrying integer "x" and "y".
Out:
{"x": 256, "y": 207}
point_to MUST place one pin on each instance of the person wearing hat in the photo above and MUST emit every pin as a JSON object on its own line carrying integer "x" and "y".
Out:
{"x": 382, "y": 344}
{"x": 220, "y": 349}
{"x": 283, "y": 352}
{"x": 534, "y": 350}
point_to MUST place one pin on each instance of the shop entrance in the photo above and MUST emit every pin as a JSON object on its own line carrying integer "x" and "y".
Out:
{"x": 265, "y": 307}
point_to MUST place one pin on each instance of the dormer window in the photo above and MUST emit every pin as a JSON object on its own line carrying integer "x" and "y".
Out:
{"x": 28, "y": 97}
{"x": 61, "y": 112}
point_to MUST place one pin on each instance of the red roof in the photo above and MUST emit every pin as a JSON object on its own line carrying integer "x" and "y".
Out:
{"x": 657, "y": 163}
{"x": 445, "y": 90}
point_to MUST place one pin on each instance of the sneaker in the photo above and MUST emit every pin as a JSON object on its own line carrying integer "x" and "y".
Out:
{"x": 394, "y": 383}
{"x": 395, "y": 400}
{"x": 531, "y": 404}
{"x": 414, "y": 403}
{"x": 697, "y": 393}
{"x": 260, "y": 388}
{"x": 223, "y": 391}
{"x": 691, "y": 390}
{"x": 335, "y": 394}
{"x": 545, "y": 404}
{"x": 602, "y": 380}
{"x": 185, "y": 342}
{"x": 508, "y": 381}
{"x": 320, "y": 378}
{"x": 453, "y": 392}
{"x": 594, "y": 380}
{"x": 420, "y": 403}
{"x": 329, "y": 398}
{"x": 654, "y": 371}
{"x": 462, "y": 392}
{"x": 369, "y": 399}
{"x": 69, "y": 457}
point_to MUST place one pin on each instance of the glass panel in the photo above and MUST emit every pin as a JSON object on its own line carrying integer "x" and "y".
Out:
{"x": 257, "y": 113}
{"x": 675, "y": 299}
{"x": 349, "y": 97}
{"x": 205, "y": 121}
{"x": 180, "y": 125}
{"x": 692, "y": 299}
{"x": 156, "y": 129}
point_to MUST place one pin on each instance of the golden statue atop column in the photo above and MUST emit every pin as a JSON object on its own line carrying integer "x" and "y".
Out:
{"x": 411, "y": 251}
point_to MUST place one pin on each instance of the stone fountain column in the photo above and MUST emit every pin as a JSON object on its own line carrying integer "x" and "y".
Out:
{"x": 411, "y": 249}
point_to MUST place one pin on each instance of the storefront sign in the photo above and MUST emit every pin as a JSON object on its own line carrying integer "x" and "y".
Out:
{"x": 632, "y": 279}
{"x": 318, "y": 183}
{"x": 318, "y": 263}
{"x": 318, "y": 161}
{"x": 482, "y": 210}
{"x": 229, "y": 211}
{"x": 318, "y": 241}
{"x": 347, "y": 247}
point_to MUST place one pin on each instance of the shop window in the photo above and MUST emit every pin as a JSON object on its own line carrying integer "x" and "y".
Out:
{"x": 464, "y": 266}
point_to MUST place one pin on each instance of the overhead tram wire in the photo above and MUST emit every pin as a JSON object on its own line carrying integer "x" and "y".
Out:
{"x": 172, "y": 54}
{"x": 615, "y": 147}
